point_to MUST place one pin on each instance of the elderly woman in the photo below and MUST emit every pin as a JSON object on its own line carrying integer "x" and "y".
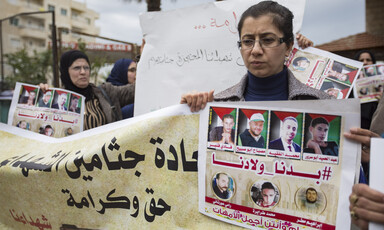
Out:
{"x": 102, "y": 104}
{"x": 266, "y": 39}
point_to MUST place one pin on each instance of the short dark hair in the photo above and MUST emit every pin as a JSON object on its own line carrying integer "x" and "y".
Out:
{"x": 296, "y": 60}
{"x": 282, "y": 17}
{"x": 310, "y": 189}
{"x": 228, "y": 116}
{"x": 218, "y": 175}
{"x": 319, "y": 120}
{"x": 267, "y": 185}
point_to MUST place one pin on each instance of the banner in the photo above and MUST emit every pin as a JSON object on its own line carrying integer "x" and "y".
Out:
{"x": 282, "y": 166}
{"x": 55, "y": 113}
{"x": 193, "y": 48}
{"x": 139, "y": 173}
{"x": 370, "y": 83}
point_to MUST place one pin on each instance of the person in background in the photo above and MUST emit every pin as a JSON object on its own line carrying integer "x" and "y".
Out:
{"x": 265, "y": 41}
{"x": 102, "y": 104}
{"x": 123, "y": 73}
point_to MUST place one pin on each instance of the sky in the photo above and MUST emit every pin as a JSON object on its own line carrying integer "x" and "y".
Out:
{"x": 324, "y": 20}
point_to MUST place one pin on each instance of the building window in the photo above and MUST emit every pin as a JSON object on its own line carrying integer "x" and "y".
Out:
{"x": 51, "y": 8}
{"x": 15, "y": 42}
{"x": 14, "y": 21}
{"x": 63, "y": 12}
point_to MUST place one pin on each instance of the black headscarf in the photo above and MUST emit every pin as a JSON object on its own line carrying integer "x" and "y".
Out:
{"x": 66, "y": 61}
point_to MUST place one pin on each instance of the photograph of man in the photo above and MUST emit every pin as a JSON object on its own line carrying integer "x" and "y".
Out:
{"x": 221, "y": 186}
{"x": 342, "y": 72}
{"x": 268, "y": 195}
{"x": 45, "y": 100}
{"x": 28, "y": 97}
{"x": 252, "y": 137}
{"x": 47, "y": 130}
{"x": 311, "y": 202}
{"x": 74, "y": 104}
{"x": 23, "y": 125}
{"x": 318, "y": 144}
{"x": 61, "y": 102}
{"x": 224, "y": 134}
{"x": 287, "y": 134}
{"x": 335, "y": 89}
{"x": 300, "y": 63}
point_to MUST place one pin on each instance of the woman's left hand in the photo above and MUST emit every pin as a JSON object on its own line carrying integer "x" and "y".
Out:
{"x": 362, "y": 136}
{"x": 303, "y": 41}
{"x": 366, "y": 205}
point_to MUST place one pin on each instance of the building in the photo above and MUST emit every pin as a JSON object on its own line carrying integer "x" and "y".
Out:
{"x": 372, "y": 39}
{"x": 34, "y": 31}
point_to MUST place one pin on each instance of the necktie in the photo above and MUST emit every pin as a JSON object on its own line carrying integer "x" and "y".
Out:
{"x": 290, "y": 148}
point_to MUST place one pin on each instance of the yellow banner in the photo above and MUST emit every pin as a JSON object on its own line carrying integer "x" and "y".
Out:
{"x": 135, "y": 174}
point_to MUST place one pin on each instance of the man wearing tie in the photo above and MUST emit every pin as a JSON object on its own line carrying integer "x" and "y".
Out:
{"x": 287, "y": 134}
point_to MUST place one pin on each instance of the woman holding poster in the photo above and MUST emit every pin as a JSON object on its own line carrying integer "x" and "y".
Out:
{"x": 266, "y": 40}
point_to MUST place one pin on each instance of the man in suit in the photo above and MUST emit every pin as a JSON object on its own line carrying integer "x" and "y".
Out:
{"x": 60, "y": 105}
{"x": 287, "y": 134}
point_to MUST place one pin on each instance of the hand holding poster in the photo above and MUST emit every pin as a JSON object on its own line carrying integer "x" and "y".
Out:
{"x": 55, "y": 113}
{"x": 285, "y": 166}
{"x": 325, "y": 71}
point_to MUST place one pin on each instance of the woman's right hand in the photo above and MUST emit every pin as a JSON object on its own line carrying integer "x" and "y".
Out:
{"x": 197, "y": 100}
{"x": 44, "y": 87}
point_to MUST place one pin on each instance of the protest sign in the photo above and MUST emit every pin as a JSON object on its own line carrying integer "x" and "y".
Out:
{"x": 56, "y": 113}
{"x": 370, "y": 83}
{"x": 139, "y": 173}
{"x": 193, "y": 48}
{"x": 324, "y": 70}
{"x": 259, "y": 166}
{"x": 376, "y": 171}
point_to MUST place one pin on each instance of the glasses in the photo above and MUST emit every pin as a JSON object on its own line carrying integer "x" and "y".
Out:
{"x": 78, "y": 68}
{"x": 133, "y": 70}
{"x": 268, "y": 41}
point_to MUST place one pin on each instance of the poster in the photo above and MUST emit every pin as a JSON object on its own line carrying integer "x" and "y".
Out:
{"x": 55, "y": 113}
{"x": 325, "y": 71}
{"x": 369, "y": 85}
{"x": 376, "y": 172}
{"x": 187, "y": 49}
{"x": 285, "y": 165}
{"x": 139, "y": 173}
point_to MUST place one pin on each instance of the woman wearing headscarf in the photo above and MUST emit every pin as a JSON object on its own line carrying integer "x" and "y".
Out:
{"x": 123, "y": 73}
{"x": 102, "y": 104}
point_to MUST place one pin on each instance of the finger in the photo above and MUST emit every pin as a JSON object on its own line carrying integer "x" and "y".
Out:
{"x": 369, "y": 215}
{"x": 204, "y": 101}
{"x": 363, "y": 190}
{"x": 363, "y": 132}
{"x": 358, "y": 138}
{"x": 194, "y": 99}
{"x": 370, "y": 206}
{"x": 362, "y": 224}
{"x": 210, "y": 96}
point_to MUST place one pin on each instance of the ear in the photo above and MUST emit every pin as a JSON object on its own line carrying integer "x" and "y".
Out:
{"x": 310, "y": 129}
{"x": 289, "y": 48}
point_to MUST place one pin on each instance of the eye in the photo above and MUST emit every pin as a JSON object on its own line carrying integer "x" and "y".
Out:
{"x": 268, "y": 40}
{"x": 248, "y": 42}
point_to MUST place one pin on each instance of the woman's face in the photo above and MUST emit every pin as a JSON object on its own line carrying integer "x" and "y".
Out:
{"x": 131, "y": 73}
{"x": 366, "y": 59}
{"x": 79, "y": 73}
{"x": 263, "y": 62}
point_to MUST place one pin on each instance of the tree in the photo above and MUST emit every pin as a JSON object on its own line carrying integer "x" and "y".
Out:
{"x": 28, "y": 69}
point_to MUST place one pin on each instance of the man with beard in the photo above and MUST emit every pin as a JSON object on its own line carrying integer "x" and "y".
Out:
{"x": 319, "y": 129}
{"x": 45, "y": 100}
{"x": 310, "y": 203}
{"x": 224, "y": 134}
{"x": 252, "y": 137}
{"x": 287, "y": 134}
{"x": 220, "y": 187}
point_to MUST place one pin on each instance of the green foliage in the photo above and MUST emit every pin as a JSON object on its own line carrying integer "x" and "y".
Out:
{"x": 28, "y": 69}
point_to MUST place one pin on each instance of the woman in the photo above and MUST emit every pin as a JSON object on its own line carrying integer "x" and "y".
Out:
{"x": 102, "y": 104}
{"x": 266, "y": 39}
{"x": 124, "y": 72}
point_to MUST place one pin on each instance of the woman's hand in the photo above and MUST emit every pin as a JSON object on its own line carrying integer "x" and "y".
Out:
{"x": 197, "y": 100}
{"x": 44, "y": 87}
{"x": 362, "y": 136}
{"x": 303, "y": 41}
{"x": 366, "y": 205}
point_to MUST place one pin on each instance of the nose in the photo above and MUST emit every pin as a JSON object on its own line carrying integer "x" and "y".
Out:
{"x": 257, "y": 49}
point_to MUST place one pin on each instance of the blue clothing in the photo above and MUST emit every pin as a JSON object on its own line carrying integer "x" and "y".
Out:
{"x": 119, "y": 72}
{"x": 273, "y": 88}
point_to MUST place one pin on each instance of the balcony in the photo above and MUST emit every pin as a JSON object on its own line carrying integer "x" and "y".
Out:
{"x": 36, "y": 33}
{"x": 78, "y": 6}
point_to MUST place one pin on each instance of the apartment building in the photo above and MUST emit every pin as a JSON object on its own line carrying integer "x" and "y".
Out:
{"x": 34, "y": 31}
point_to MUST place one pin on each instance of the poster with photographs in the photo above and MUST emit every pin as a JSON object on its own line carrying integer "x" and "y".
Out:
{"x": 370, "y": 83}
{"x": 277, "y": 167}
{"x": 325, "y": 71}
{"x": 55, "y": 113}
